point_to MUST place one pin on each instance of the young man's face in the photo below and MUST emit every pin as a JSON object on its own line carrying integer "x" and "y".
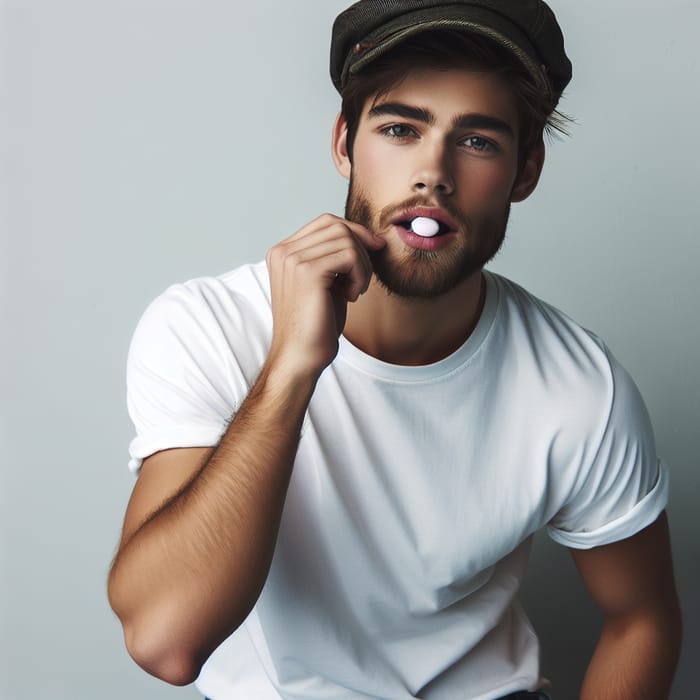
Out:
{"x": 442, "y": 144}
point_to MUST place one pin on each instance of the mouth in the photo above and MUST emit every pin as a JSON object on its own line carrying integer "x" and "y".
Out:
{"x": 445, "y": 224}
{"x": 409, "y": 225}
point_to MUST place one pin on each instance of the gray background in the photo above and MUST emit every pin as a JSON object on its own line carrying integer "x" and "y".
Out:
{"x": 146, "y": 142}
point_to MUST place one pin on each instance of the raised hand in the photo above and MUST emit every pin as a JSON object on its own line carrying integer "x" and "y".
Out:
{"x": 314, "y": 274}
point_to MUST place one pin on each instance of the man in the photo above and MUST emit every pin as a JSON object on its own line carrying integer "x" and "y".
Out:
{"x": 344, "y": 452}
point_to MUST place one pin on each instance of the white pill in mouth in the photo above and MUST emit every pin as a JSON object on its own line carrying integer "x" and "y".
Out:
{"x": 423, "y": 226}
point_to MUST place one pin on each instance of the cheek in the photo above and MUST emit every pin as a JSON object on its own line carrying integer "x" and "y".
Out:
{"x": 489, "y": 185}
{"x": 372, "y": 158}
{"x": 376, "y": 170}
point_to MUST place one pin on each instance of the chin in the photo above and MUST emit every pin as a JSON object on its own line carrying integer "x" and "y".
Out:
{"x": 422, "y": 274}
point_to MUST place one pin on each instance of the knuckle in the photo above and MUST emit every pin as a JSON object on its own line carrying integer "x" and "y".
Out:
{"x": 275, "y": 252}
{"x": 293, "y": 259}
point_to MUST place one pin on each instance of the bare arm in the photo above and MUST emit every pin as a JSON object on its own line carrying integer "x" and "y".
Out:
{"x": 201, "y": 526}
{"x": 632, "y": 583}
{"x": 185, "y": 578}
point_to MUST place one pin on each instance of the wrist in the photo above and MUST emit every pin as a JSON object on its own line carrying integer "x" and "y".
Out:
{"x": 287, "y": 380}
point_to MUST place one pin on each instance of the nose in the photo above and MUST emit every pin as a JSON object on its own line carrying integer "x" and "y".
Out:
{"x": 433, "y": 171}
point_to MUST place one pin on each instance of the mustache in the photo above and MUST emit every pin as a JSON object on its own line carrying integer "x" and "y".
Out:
{"x": 388, "y": 213}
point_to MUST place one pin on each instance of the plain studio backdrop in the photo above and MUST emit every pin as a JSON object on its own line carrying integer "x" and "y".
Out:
{"x": 145, "y": 142}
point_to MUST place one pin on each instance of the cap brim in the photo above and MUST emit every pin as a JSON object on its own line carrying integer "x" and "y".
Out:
{"x": 480, "y": 21}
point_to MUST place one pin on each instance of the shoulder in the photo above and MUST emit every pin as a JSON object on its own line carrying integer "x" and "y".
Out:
{"x": 558, "y": 351}
{"x": 245, "y": 285}
{"x": 207, "y": 330}
{"x": 203, "y": 308}
{"x": 569, "y": 375}
{"x": 605, "y": 481}
{"x": 529, "y": 313}
{"x": 193, "y": 356}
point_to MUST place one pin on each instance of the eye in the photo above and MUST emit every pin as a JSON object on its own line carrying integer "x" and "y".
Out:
{"x": 479, "y": 143}
{"x": 398, "y": 131}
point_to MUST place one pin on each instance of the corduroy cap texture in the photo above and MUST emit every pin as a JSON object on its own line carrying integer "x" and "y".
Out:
{"x": 528, "y": 28}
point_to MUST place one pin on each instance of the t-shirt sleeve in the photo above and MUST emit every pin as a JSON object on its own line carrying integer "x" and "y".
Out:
{"x": 626, "y": 486}
{"x": 181, "y": 387}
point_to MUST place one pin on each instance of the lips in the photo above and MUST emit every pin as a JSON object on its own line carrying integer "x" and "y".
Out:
{"x": 446, "y": 222}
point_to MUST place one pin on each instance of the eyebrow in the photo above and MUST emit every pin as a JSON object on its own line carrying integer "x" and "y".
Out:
{"x": 398, "y": 109}
{"x": 464, "y": 121}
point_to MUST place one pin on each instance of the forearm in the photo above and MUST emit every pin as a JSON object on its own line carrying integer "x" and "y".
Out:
{"x": 192, "y": 572}
{"x": 635, "y": 660}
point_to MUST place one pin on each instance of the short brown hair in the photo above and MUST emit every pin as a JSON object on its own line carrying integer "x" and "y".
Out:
{"x": 453, "y": 49}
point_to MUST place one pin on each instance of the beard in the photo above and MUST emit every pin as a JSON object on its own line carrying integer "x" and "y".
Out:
{"x": 425, "y": 274}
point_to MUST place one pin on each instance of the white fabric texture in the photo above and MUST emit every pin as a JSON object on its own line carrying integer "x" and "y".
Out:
{"x": 415, "y": 490}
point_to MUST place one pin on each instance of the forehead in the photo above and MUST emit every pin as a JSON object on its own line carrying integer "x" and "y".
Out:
{"x": 452, "y": 92}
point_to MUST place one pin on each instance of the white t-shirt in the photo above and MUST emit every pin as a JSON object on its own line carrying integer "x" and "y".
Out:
{"x": 415, "y": 490}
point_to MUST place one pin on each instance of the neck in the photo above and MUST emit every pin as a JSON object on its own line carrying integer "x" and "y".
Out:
{"x": 405, "y": 331}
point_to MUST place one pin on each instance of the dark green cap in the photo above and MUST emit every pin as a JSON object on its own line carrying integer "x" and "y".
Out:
{"x": 528, "y": 28}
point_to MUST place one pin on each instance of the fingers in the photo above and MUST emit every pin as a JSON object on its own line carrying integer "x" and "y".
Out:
{"x": 331, "y": 259}
{"x": 313, "y": 275}
{"x": 326, "y": 248}
{"x": 328, "y": 222}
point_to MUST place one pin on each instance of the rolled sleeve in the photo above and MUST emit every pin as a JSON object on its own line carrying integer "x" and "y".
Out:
{"x": 642, "y": 515}
{"x": 624, "y": 486}
{"x": 179, "y": 388}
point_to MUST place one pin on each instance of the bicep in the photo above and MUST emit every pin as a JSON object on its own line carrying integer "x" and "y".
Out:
{"x": 633, "y": 576}
{"x": 162, "y": 476}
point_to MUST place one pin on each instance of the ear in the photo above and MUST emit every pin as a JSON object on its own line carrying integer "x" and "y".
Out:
{"x": 529, "y": 174}
{"x": 340, "y": 147}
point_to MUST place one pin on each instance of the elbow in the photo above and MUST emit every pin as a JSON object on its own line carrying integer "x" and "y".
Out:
{"x": 157, "y": 648}
{"x": 162, "y": 657}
